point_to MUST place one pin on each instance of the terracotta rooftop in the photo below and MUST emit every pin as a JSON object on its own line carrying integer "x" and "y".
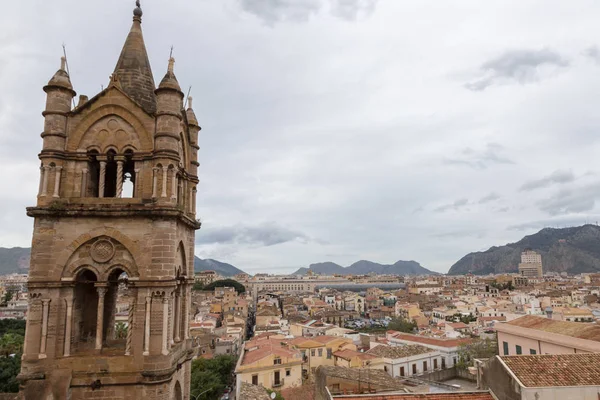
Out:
{"x": 578, "y": 330}
{"x": 349, "y": 354}
{"x": 431, "y": 341}
{"x": 549, "y": 370}
{"x": 398, "y": 351}
{"x": 420, "y": 396}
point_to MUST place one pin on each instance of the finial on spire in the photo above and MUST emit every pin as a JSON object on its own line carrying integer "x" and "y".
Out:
{"x": 171, "y": 64}
{"x": 63, "y": 63}
{"x": 189, "y": 101}
{"x": 137, "y": 12}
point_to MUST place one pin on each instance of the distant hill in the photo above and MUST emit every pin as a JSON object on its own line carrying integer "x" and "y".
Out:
{"x": 213, "y": 265}
{"x": 14, "y": 260}
{"x": 572, "y": 250}
{"x": 365, "y": 267}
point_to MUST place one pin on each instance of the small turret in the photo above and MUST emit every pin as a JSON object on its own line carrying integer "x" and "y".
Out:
{"x": 59, "y": 97}
{"x": 169, "y": 103}
{"x": 194, "y": 129}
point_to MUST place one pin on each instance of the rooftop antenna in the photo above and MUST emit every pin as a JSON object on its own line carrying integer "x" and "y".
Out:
{"x": 187, "y": 97}
{"x": 67, "y": 65}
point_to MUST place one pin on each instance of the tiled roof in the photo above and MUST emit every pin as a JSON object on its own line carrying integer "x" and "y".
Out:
{"x": 431, "y": 341}
{"x": 421, "y": 396}
{"x": 578, "y": 330}
{"x": 253, "y": 392}
{"x": 550, "y": 370}
{"x": 349, "y": 354}
{"x": 398, "y": 351}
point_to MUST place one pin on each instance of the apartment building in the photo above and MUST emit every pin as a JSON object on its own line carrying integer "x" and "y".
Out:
{"x": 531, "y": 264}
{"x": 319, "y": 350}
{"x": 532, "y": 334}
{"x": 403, "y": 361}
{"x": 448, "y": 348}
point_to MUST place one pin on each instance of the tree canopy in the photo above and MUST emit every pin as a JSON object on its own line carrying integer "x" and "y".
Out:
{"x": 211, "y": 376}
{"x": 226, "y": 282}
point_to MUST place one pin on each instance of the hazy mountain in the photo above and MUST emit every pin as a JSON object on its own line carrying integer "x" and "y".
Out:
{"x": 365, "y": 267}
{"x": 217, "y": 266}
{"x": 573, "y": 250}
{"x": 15, "y": 260}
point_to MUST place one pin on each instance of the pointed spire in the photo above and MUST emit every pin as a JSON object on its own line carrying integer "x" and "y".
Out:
{"x": 191, "y": 116}
{"x": 170, "y": 81}
{"x": 133, "y": 68}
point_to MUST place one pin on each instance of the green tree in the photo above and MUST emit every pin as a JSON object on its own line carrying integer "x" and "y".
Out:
{"x": 9, "y": 369}
{"x": 6, "y": 298}
{"x": 226, "y": 282}
{"x": 198, "y": 286}
{"x": 278, "y": 395}
{"x": 121, "y": 330}
{"x": 12, "y": 326}
{"x": 402, "y": 325}
{"x": 483, "y": 348}
{"x": 212, "y": 376}
{"x": 11, "y": 343}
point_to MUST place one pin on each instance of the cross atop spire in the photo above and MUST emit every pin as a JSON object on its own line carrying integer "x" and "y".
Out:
{"x": 137, "y": 12}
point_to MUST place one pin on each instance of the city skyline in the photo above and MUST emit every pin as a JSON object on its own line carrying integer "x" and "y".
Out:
{"x": 327, "y": 138}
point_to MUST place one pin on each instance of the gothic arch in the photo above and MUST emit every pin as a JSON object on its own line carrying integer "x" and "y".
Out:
{"x": 177, "y": 394}
{"x": 182, "y": 259}
{"x": 78, "y": 133}
{"x": 72, "y": 269}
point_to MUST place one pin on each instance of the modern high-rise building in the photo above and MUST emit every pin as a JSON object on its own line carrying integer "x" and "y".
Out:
{"x": 114, "y": 223}
{"x": 531, "y": 264}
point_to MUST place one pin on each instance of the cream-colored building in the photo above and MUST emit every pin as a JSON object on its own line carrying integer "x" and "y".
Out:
{"x": 319, "y": 350}
{"x": 269, "y": 361}
{"x": 532, "y": 334}
{"x": 531, "y": 264}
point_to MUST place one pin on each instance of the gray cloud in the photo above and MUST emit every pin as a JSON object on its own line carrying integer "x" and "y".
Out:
{"x": 520, "y": 66}
{"x": 558, "y": 177}
{"x": 456, "y": 205}
{"x": 267, "y": 234}
{"x": 272, "y": 11}
{"x": 593, "y": 52}
{"x": 571, "y": 201}
{"x": 489, "y": 198}
{"x": 479, "y": 159}
{"x": 561, "y": 221}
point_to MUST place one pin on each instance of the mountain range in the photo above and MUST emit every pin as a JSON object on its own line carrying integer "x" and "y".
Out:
{"x": 16, "y": 260}
{"x": 366, "y": 267}
{"x": 572, "y": 250}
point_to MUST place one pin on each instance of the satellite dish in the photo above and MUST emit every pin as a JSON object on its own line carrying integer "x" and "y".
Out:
{"x": 273, "y": 395}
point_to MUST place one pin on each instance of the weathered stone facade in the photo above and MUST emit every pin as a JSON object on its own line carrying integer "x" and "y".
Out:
{"x": 93, "y": 241}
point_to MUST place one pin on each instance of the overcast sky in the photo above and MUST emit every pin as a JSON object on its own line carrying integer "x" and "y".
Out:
{"x": 340, "y": 130}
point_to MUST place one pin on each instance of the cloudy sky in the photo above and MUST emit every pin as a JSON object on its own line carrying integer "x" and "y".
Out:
{"x": 340, "y": 130}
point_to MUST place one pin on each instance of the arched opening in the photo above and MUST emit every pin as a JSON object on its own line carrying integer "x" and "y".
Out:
{"x": 128, "y": 177}
{"x": 178, "y": 395}
{"x": 93, "y": 173}
{"x": 85, "y": 311}
{"x": 116, "y": 311}
{"x": 110, "y": 180}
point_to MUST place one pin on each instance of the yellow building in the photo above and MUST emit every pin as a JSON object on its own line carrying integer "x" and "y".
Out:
{"x": 318, "y": 350}
{"x": 269, "y": 361}
{"x": 356, "y": 359}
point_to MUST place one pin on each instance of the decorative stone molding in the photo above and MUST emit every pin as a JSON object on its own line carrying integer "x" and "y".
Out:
{"x": 102, "y": 251}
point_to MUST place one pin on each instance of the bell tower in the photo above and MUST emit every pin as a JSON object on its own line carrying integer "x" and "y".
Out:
{"x": 112, "y": 255}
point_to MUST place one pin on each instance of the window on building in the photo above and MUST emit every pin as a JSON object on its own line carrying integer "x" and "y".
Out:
{"x": 255, "y": 380}
{"x": 505, "y": 348}
{"x": 385, "y": 368}
{"x": 320, "y": 352}
{"x": 443, "y": 363}
{"x": 312, "y": 352}
{"x": 288, "y": 372}
{"x": 532, "y": 351}
{"x": 424, "y": 366}
{"x": 401, "y": 371}
{"x": 276, "y": 361}
{"x": 329, "y": 354}
{"x": 453, "y": 361}
{"x": 414, "y": 369}
{"x": 519, "y": 349}
{"x": 435, "y": 363}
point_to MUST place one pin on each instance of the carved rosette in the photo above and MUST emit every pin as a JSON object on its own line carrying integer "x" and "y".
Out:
{"x": 102, "y": 251}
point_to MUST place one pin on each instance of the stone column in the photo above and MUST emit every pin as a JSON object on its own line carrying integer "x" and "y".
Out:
{"x": 45, "y": 181}
{"x": 177, "y": 317}
{"x": 41, "y": 180}
{"x": 45, "y": 307}
{"x": 102, "y": 182}
{"x": 100, "y": 319}
{"x": 84, "y": 181}
{"x": 67, "y": 349}
{"x": 191, "y": 205}
{"x": 147, "y": 326}
{"x": 194, "y": 200}
{"x": 119, "y": 177}
{"x": 154, "y": 182}
{"x": 164, "y": 182}
{"x": 129, "y": 328}
{"x": 172, "y": 319}
{"x": 57, "y": 173}
{"x": 174, "y": 185}
{"x": 186, "y": 314}
{"x": 136, "y": 182}
{"x": 165, "y": 330}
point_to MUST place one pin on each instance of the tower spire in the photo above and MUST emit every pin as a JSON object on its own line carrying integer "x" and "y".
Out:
{"x": 137, "y": 11}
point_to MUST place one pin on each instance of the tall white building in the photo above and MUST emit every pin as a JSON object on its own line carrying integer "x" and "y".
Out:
{"x": 531, "y": 264}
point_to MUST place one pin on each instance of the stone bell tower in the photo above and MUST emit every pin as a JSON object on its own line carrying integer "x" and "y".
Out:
{"x": 112, "y": 255}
